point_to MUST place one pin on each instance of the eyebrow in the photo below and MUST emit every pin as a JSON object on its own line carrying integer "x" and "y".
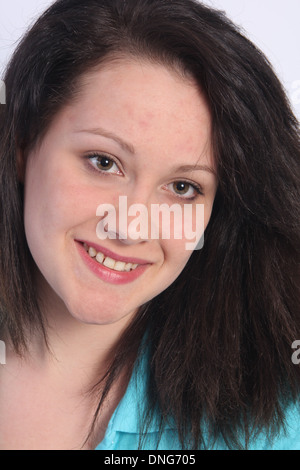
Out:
{"x": 189, "y": 168}
{"x": 110, "y": 135}
{"x": 130, "y": 149}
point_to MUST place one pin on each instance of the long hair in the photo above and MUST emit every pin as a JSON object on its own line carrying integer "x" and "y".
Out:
{"x": 219, "y": 338}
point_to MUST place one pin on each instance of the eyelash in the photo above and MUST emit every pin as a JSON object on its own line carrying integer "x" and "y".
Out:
{"x": 195, "y": 187}
{"x": 99, "y": 156}
{"x": 95, "y": 155}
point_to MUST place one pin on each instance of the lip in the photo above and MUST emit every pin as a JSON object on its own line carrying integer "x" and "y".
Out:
{"x": 107, "y": 274}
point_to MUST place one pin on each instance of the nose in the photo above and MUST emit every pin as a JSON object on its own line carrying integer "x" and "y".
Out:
{"x": 126, "y": 220}
{"x": 133, "y": 220}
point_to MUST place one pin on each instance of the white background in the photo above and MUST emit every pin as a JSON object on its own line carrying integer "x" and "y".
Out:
{"x": 273, "y": 25}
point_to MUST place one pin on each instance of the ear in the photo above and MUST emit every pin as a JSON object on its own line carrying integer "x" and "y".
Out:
{"x": 21, "y": 165}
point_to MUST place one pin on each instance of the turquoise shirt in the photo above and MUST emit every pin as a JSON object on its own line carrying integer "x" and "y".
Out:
{"x": 123, "y": 429}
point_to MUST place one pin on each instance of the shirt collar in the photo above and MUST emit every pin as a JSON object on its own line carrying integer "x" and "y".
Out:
{"x": 129, "y": 413}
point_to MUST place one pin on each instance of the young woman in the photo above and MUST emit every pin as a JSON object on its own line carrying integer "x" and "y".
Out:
{"x": 137, "y": 342}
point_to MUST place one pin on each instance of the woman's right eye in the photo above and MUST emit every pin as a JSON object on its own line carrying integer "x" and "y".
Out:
{"x": 104, "y": 164}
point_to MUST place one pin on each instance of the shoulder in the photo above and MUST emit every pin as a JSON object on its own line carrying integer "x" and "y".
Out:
{"x": 123, "y": 432}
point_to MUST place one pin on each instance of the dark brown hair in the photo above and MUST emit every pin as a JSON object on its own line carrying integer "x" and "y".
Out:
{"x": 219, "y": 338}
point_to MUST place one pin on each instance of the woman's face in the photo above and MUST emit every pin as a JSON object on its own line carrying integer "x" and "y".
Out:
{"x": 136, "y": 130}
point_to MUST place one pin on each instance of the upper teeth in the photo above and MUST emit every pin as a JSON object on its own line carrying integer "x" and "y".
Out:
{"x": 109, "y": 262}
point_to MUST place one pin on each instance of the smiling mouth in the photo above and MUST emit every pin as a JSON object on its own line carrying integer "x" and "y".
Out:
{"x": 108, "y": 262}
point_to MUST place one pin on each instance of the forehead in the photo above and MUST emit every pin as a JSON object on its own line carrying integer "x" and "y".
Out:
{"x": 145, "y": 104}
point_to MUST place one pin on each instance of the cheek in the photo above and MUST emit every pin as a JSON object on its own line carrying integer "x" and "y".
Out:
{"x": 55, "y": 205}
{"x": 176, "y": 256}
{"x": 194, "y": 222}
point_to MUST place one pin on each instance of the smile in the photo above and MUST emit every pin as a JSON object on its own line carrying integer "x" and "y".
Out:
{"x": 110, "y": 263}
{"x": 109, "y": 266}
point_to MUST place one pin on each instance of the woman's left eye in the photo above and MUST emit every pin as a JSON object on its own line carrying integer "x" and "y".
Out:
{"x": 104, "y": 164}
{"x": 184, "y": 189}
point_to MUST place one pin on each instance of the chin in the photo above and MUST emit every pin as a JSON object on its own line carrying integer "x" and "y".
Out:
{"x": 96, "y": 319}
{"x": 99, "y": 315}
